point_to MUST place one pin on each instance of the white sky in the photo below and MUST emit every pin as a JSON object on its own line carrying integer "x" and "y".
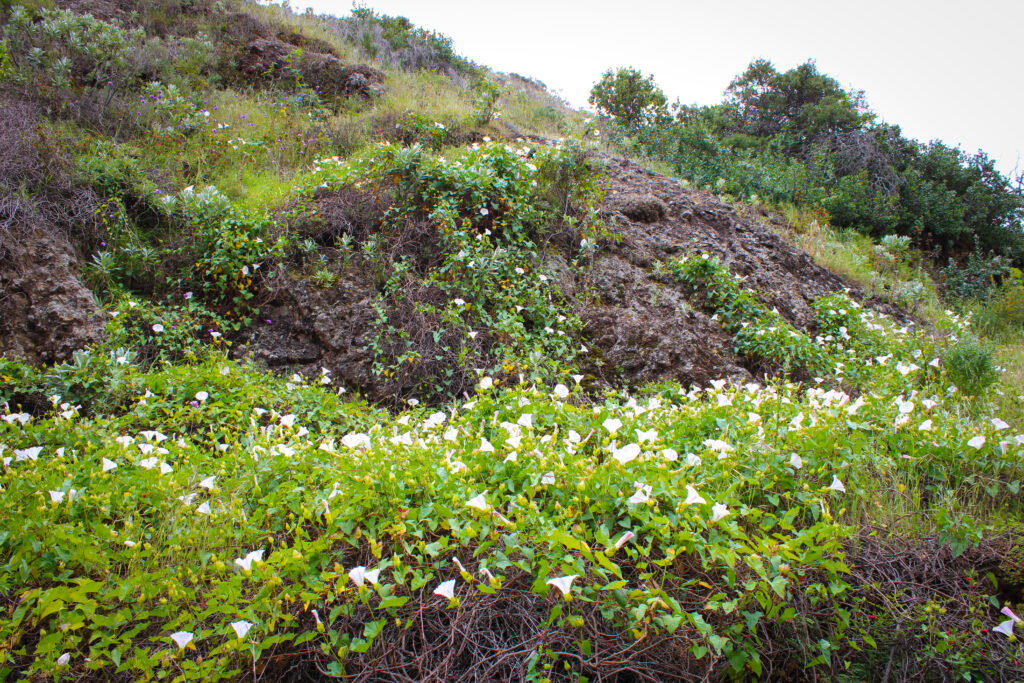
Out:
{"x": 940, "y": 69}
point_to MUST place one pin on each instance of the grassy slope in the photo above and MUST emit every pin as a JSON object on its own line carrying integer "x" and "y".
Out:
{"x": 138, "y": 552}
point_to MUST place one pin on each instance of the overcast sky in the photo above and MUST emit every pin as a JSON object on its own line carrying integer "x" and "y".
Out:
{"x": 940, "y": 69}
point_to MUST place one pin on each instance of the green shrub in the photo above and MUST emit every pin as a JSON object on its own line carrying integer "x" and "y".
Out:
{"x": 1002, "y": 316}
{"x": 629, "y": 98}
{"x": 57, "y": 51}
{"x": 975, "y": 278}
{"x": 970, "y": 365}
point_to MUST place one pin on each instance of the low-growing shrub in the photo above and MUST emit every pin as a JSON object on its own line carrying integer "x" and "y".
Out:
{"x": 970, "y": 366}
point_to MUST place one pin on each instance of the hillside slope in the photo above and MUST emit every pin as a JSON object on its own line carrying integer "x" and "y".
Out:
{"x": 326, "y": 353}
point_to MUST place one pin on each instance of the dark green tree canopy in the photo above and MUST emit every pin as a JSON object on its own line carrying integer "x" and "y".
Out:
{"x": 626, "y": 96}
{"x": 802, "y": 105}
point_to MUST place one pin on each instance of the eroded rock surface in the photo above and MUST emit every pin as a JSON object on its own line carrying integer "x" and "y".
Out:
{"x": 641, "y": 326}
{"x": 46, "y": 313}
{"x": 272, "y": 58}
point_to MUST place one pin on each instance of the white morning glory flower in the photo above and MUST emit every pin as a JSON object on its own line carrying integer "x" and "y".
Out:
{"x": 624, "y": 539}
{"x": 446, "y": 589}
{"x": 64, "y": 659}
{"x": 999, "y": 424}
{"x": 561, "y": 391}
{"x": 181, "y": 639}
{"x": 627, "y": 453}
{"x": 926, "y": 426}
{"x": 202, "y": 396}
{"x": 642, "y": 494}
{"x": 204, "y": 509}
{"x": 718, "y": 511}
{"x": 525, "y": 420}
{"x": 56, "y": 496}
{"x": 358, "y": 575}
{"x": 670, "y": 454}
{"x": 692, "y": 497}
{"x": 207, "y": 483}
{"x": 649, "y": 435}
{"x": 32, "y": 453}
{"x": 837, "y": 485}
{"x": 548, "y": 479}
{"x": 795, "y": 461}
{"x": 478, "y": 503}
{"x": 109, "y": 465}
{"x": 563, "y": 583}
{"x": 612, "y": 424}
{"x": 976, "y": 442}
{"x": 241, "y": 628}
{"x": 158, "y": 328}
{"x": 287, "y": 421}
{"x": 1006, "y": 628}
{"x": 246, "y": 562}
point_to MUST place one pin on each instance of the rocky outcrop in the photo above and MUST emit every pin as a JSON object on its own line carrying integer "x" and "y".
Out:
{"x": 46, "y": 313}
{"x": 271, "y": 59}
{"x": 641, "y": 326}
{"x": 305, "y": 328}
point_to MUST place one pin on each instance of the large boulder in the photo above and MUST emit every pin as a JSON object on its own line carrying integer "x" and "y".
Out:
{"x": 46, "y": 313}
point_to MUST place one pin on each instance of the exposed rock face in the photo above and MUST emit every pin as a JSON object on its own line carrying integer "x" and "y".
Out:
{"x": 641, "y": 325}
{"x": 273, "y": 58}
{"x": 312, "y": 328}
{"x": 46, "y": 313}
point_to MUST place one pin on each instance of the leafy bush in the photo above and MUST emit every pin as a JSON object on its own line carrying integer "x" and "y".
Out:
{"x": 1002, "y": 316}
{"x": 758, "y": 333}
{"x": 970, "y": 366}
{"x": 975, "y": 278}
{"x": 54, "y": 51}
{"x": 463, "y": 285}
{"x": 398, "y": 41}
{"x": 629, "y": 98}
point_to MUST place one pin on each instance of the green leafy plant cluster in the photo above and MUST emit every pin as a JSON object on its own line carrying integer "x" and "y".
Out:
{"x": 758, "y": 332}
{"x": 799, "y": 138}
{"x": 60, "y": 51}
{"x": 215, "y": 518}
{"x": 473, "y": 292}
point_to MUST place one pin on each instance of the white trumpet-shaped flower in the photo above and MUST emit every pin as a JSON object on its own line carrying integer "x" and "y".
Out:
{"x": 563, "y": 583}
{"x": 642, "y": 495}
{"x": 182, "y": 639}
{"x": 976, "y": 442}
{"x": 692, "y": 497}
{"x": 208, "y": 483}
{"x": 478, "y": 502}
{"x": 246, "y": 562}
{"x": 718, "y": 511}
{"x": 627, "y": 453}
{"x": 241, "y": 628}
{"x": 446, "y": 589}
{"x": 612, "y": 424}
{"x": 109, "y": 465}
{"x": 795, "y": 461}
{"x": 837, "y": 485}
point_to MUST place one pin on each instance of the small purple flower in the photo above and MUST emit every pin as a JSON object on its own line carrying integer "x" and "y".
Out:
{"x": 194, "y": 404}
{"x": 103, "y": 244}
{"x": 269, "y": 322}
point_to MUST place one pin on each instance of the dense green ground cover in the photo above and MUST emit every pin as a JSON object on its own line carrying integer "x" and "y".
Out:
{"x": 198, "y": 507}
